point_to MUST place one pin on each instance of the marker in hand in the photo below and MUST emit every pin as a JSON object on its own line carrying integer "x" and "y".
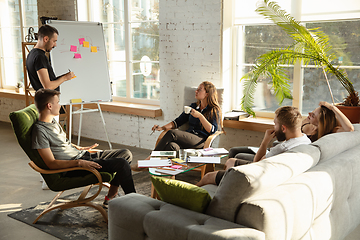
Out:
{"x": 153, "y": 130}
{"x": 73, "y": 76}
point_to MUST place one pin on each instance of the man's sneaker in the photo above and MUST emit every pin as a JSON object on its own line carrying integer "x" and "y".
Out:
{"x": 107, "y": 199}
{"x": 106, "y": 202}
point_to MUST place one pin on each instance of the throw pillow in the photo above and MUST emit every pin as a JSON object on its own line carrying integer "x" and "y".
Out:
{"x": 182, "y": 194}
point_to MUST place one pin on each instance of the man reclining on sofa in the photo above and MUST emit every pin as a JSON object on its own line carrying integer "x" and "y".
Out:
{"x": 287, "y": 129}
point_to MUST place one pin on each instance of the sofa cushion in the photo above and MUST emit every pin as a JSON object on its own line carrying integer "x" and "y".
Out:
{"x": 246, "y": 181}
{"x": 181, "y": 193}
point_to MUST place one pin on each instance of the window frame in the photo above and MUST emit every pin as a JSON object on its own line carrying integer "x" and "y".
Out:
{"x": 88, "y": 13}
{"x": 298, "y": 75}
{"x": 23, "y": 29}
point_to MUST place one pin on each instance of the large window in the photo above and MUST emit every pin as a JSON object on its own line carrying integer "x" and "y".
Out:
{"x": 254, "y": 36}
{"x": 14, "y": 25}
{"x": 131, "y": 29}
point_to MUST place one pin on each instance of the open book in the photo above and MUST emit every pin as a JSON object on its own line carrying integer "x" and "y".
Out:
{"x": 170, "y": 154}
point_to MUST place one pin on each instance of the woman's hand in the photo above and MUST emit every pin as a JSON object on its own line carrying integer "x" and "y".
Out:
{"x": 195, "y": 114}
{"x": 326, "y": 104}
{"x": 158, "y": 128}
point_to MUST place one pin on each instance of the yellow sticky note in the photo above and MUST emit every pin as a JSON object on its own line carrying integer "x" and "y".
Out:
{"x": 178, "y": 160}
{"x": 86, "y": 44}
{"x": 93, "y": 49}
{"x": 76, "y": 100}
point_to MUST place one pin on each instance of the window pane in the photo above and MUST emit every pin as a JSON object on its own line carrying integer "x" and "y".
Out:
{"x": 108, "y": 11}
{"x": 117, "y": 71}
{"x": 146, "y": 80}
{"x": 344, "y": 38}
{"x": 114, "y": 35}
{"x": 31, "y": 16}
{"x": 144, "y": 10}
{"x": 263, "y": 38}
{"x": 264, "y": 98}
{"x": 145, "y": 40}
{"x": 258, "y": 40}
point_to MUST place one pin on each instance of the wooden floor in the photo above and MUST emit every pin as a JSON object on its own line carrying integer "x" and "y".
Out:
{"x": 20, "y": 186}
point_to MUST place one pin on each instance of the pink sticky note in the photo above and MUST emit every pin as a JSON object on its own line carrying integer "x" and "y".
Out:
{"x": 77, "y": 55}
{"x": 73, "y": 48}
{"x": 176, "y": 166}
{"x": 81, "y": 40}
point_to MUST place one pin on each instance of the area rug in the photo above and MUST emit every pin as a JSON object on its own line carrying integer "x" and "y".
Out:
{"x": 84, "y": 222}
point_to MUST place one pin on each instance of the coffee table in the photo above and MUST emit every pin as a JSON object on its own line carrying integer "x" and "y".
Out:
{"x": 201, "y": 167}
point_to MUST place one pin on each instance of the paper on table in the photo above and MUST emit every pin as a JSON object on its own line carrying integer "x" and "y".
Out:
{"x": 204, "y": 159}
{"x": 168, "y": 171}
{"x": 93, "y": 49}
{"x": 154, "y": 163}
{"x": 77, "y": 55}
{"x": 163, "y": 153}
{"x": 213, "y": 151}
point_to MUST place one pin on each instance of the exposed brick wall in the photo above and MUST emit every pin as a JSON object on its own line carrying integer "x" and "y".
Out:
{"x": 63, "y": 10}
{"x": 8, "y": 105}
{"x": 190, "y": 45}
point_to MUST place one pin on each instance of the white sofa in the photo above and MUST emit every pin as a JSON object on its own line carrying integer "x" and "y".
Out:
{"x": 309, "y": 192}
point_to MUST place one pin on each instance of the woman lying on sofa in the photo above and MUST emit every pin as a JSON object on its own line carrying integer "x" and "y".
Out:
{"x": 324, "y": 120}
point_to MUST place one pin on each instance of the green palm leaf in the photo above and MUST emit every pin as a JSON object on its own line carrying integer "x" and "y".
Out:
{"x": 310, "y": 46}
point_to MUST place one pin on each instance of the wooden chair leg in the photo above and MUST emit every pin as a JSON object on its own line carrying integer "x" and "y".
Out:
{"x": 80, "y": 202}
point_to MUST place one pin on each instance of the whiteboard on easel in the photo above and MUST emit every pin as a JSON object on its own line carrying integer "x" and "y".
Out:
{"x": 81, "y": 49}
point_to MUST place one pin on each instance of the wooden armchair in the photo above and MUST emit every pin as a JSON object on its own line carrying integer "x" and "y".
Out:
{"x": 22, "y": 122}
{"x": 189, "y": 97}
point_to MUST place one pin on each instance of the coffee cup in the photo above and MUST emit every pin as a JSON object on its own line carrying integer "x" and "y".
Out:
{"x": 187, "y": 109}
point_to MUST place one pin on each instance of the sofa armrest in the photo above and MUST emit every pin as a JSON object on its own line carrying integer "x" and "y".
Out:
{"x": 136, "y": 217}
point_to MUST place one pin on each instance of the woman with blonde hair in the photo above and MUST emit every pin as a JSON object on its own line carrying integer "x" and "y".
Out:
{"x": 324, "y": 120}
{"x": 204, "y": 117}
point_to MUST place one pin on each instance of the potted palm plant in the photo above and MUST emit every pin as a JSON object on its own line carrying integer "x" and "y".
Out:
{"x": 310, "y": 46}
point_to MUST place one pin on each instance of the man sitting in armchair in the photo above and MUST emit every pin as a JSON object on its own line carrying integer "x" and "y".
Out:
{"x": 57, "y": 152}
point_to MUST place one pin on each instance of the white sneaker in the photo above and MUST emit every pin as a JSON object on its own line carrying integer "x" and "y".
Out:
{"x": 45, "y": 186}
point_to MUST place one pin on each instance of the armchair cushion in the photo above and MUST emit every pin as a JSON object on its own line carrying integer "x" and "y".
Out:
{"x": 182, "y": 194}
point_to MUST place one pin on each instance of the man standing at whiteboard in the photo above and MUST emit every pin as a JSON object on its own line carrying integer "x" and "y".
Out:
{"x": 39, "y": 69}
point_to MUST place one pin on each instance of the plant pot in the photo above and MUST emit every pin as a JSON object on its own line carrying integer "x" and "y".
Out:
{"x": 17, "y": 90}
{"x": 352, "y": 113}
